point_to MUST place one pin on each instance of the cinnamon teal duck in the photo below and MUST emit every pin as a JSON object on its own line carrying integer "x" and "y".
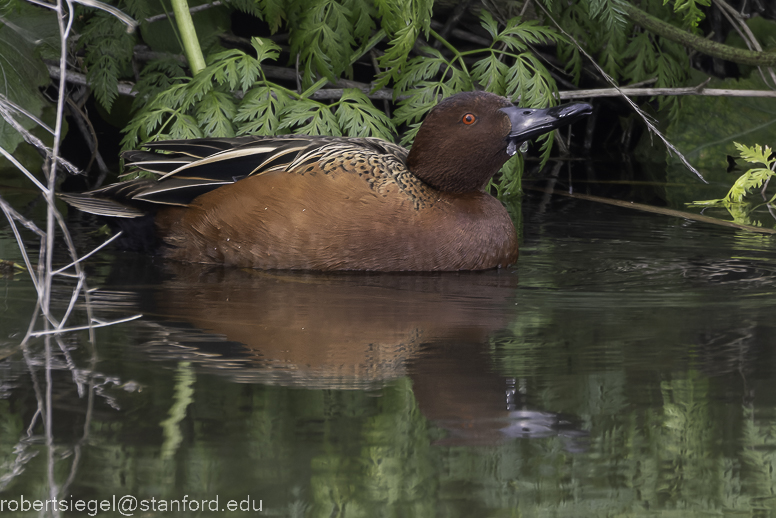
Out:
{"x": 336, "y": 203}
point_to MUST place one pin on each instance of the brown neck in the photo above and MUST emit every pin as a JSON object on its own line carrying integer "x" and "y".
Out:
{"x": 451, "y": 169}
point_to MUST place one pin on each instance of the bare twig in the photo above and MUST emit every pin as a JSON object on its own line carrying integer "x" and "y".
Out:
{"x": 90, "y": 136}
{"x": 8, "y": 110}
{"x": 76, "y": 78}
{"x": 649, "y": 92}
{"x": 13, "y": 217}
{"x": 93, "y": 324}
{"x": 658, "y": 210}
{"x": 125, "y": 19}
{"x": 83, "y": 257}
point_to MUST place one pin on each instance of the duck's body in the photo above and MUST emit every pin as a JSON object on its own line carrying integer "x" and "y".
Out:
{"x": 326, "y": 203}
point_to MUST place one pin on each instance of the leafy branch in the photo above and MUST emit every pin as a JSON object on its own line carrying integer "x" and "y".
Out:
{"x": 755, "y": 178}
{"x": 232, "y": 96}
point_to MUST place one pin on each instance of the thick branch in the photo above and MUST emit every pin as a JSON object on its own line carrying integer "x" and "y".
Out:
{"x": 710, "y": 48}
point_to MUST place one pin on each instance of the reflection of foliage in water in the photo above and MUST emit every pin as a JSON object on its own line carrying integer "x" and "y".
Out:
{"x": 363, "y": 455}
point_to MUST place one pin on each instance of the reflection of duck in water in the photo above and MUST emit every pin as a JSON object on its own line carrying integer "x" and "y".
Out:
{"x": 320, "y": 329}
{"x": 345, "y": 331}
{"x": 456, "y": 388}
{"x": 326, "y": 203}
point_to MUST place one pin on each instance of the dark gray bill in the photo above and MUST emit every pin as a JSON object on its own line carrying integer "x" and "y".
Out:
{"x": 528, "y": 123}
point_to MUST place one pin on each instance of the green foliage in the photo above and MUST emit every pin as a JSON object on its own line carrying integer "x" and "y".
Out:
{"x": 358, "y": 117}
{"x": 403, "y": 21}
{"x": 752, "y": 179}
{"x": 326, "y": 38}
{"x": 624, "y": 51}
{"x": 706, "y": 127}
{"x": 755, "y": 179}
{"x": 26, "y": 32}
{"x": 691, "y": 10}
{"x": 232, "y": 96}
{"x": 322, "y": 48}
{"x": 110, "y": 51}
{"x": 609, "y": 12}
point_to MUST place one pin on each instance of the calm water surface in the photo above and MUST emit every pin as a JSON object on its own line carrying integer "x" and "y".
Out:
{"x": 624, "y": 367}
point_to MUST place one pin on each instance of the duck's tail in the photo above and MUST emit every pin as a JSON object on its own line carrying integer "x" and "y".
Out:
{"x": 113, "y": 201}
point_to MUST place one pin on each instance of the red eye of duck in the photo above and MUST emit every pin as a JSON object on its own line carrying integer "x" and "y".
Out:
{"x": 469, "y": 119}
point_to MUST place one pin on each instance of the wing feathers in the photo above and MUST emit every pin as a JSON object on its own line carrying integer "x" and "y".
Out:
{"x": 190, "y": 168}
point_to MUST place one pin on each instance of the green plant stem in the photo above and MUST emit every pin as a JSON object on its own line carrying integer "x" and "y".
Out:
{"x": 452, "y": 49}
{"x": 189, "y": 36}
{"x": 710, "y": 48}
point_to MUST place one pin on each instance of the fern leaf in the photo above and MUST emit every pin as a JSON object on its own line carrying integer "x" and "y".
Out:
{"x": 361, "y": 18}
{"x": 420, "y": 69}
{"x": 357, "y": 117}
{"x": 320, "y": 40}
{"x": 692, "y": 13}
{"x": 108, "y": 50}
{"x": 403, "y": 21}
{"x": 215, "y": 113}
{"x": 260, "y": 111}
{"x": 489, "y": 24}
{"x": 517, "y": 34}
{"x": 756, "y": 154}
{"x": 185, "y": 127}
{"x": 309, "y": 118}
{"x": 750, "y": 180}
{"x": 490, "y": 72}
{"x": 610, "y": 12}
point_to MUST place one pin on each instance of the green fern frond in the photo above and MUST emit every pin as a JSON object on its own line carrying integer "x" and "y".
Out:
{"x": 746, "y": 183}
{"x": 610, "y": 12}
{"x": 185, "y": 127}
{"x": 756, "y": 154}
{"x": 215, "y": 113}
{"x": 323, "y": 46}
{"x": 693, "y": 15}
{"x": 362, "y": 15}
{"x": 309, "y": 117}
{"x": 260, "y": 111}
{"x": 519, "y": 33}
{"x": 357, "y": 117}
{"x": 642, "y": 57}
{"x": 490, "y": 72}
{"x": 749, "y": 181}
{"x": 419, "y": 69}
{"x": 157, "y": 76}
{"x": 274, "y": 12}
{"x": 403, "y": 21}
{"x": 108, "y": 50}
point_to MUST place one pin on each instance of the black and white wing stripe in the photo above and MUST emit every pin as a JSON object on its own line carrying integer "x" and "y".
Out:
{"x": 190, "y": 168}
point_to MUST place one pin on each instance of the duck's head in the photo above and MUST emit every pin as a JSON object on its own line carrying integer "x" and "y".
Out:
{"x": 466, "y": 138}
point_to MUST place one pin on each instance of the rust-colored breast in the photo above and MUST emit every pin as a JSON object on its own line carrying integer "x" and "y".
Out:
{"x": 359, "y": 211}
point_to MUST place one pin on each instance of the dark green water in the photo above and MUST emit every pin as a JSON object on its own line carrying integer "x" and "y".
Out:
{"x": 624, "y": 367}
